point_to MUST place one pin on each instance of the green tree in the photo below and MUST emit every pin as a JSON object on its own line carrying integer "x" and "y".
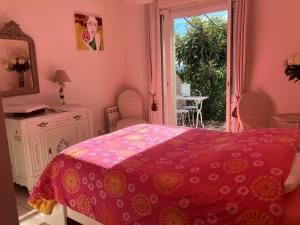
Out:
{"x": 202, "y": 53}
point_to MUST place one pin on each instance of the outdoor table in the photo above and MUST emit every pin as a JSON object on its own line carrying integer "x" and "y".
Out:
{"x": 198, "y": 105}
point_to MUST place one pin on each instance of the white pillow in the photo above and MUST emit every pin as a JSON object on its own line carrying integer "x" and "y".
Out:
{"x": 293, "y": 180}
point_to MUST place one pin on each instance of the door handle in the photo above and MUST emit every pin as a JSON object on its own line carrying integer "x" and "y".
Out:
{"x": 50, "y": 151}
{"x": 77, "y": 117}
{"x": 44, "y": 124}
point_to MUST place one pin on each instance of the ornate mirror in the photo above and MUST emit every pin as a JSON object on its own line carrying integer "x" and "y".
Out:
{"x": 18, "y": 67}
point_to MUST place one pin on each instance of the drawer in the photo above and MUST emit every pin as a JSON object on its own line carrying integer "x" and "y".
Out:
{"x": 79, "y": 115}
{"x": 43, "y": 123}
{"x": 59, "y": 118}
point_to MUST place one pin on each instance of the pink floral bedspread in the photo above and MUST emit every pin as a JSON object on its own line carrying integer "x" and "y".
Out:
{"x": 152, "y": 174}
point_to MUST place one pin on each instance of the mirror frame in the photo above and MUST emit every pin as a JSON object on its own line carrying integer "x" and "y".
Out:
{"x": 12, "y": 31}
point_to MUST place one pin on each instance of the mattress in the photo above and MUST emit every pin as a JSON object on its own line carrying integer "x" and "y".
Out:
{"x": 153, "y": 174}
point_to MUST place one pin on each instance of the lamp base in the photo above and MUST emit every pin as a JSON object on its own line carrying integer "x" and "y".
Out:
{"x": 61, "y": 92}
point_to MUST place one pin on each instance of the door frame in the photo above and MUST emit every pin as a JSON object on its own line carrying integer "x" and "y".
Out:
{"x": 168, "y": 52}
{"x": 8, "y": 211}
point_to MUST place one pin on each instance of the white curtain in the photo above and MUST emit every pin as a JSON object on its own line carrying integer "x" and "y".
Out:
{"x": 240, "y": 53}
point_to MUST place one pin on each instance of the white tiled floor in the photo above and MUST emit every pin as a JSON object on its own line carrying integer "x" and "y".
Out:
{"x": 32, "y": 218}
{"x": 27, "y": 215}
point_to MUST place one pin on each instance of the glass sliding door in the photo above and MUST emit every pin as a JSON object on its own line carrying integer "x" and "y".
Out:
{"x": 196, "y": 42}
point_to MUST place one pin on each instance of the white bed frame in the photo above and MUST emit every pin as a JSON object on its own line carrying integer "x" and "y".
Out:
{"x": 60, "y": 214}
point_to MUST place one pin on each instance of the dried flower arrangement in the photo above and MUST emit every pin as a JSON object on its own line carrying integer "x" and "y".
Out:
{"x": 18, "y": 64}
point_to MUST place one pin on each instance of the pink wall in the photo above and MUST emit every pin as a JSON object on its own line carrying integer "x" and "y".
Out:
{"x": 273, "y": 34}
{"x": 97, "y": 78}
{"x": 135, "y": 48}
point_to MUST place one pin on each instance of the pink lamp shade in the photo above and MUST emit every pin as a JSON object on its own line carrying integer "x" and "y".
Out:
{"x": 61, "y": 76}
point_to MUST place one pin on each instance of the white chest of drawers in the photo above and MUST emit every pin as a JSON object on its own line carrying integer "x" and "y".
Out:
{"x": 34, "y": 141}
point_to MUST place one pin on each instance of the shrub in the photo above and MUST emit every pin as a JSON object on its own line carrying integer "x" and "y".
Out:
{"x": 202, "y": 53}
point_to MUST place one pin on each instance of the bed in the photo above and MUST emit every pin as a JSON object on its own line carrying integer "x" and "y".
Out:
{"x": 154, "y": 174}
{"x": 291, "y": 206}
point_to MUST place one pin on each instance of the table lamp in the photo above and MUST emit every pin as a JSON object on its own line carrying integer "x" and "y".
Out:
{"x": 61, "y": 77}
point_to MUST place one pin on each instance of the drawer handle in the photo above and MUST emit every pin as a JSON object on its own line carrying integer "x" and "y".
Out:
{"x": 44, "y": 124}
{"x": 77, "y": 117}
{"x": 50, "y": 151}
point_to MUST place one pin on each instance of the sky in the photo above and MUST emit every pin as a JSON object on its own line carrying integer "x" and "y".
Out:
{"x": 180, "y": 24}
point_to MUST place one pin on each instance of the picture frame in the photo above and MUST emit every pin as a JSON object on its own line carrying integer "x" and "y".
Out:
{"x": 89, "y": 32}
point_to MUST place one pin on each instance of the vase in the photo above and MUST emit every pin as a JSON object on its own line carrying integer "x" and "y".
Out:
{"x": 21, "y": 80}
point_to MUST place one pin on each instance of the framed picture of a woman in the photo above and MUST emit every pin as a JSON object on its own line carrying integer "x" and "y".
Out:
{"x": 89, "y": 32}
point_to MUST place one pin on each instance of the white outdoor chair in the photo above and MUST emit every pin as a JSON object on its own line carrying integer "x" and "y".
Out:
{"x": 182, "y": 112}
{"x": 130, "y": 105}
{"x": 194, "y": 107}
